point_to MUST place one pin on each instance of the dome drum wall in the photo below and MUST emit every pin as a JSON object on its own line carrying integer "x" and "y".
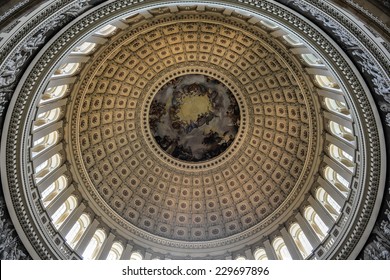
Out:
{"x": 191, "y": 243}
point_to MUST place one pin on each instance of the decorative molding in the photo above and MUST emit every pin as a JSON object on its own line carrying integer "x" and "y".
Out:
{"x": 13, "y": 9}
{"x": 380, "y": 81}
{"x": 13, "y": 65}
{"x": 11, "y": 247}
{"x": 368, "y": 64}
{"x": 370, "y": 15}
{"x": 14, "y": 59}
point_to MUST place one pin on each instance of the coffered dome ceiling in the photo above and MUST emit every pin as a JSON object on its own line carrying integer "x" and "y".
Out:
{"x": 136, "y": 182}
{"x": 198, "y": 129}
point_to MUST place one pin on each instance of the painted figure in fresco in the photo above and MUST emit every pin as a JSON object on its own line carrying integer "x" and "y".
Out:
{"x": 194, "y": 118}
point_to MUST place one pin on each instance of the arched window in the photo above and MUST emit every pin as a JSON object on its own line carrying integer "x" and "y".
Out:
{"x": 94, "y": 246}
{"x": 64, "y": 211}
{"x": 301, "y": 240}
{"x": 84, "y": 48}
{"x": 136, "y": 256}
{"x": 341, "y": 156}
{"x": 240, "y": 258}
{"x": 54, "y": 93}
{"x": 49, "y": 194}
{"x": 106, "y": 30}
{"x": 67, "y": 69}
{"x": 115, "y": 252}
{"x": 269, "y": 24}
{"x": 336, "y": 180}
{"x": 341, "y": 131}
{"x": 260, "y": 254}
{"x": 281, "y": 249}
{"x": 337, "y": 106}
{"x": 328, "y": 203}
{"x": 312, "y": 60}
{"x": 316, "y": 223}
{"x": 77, "y": 231}
{"x": 46, "y": 167}
{"x": 44, "y": 143}
{"x": 46, "y": 118}
{"x": 327, "y": 82}
{"x": 292, "y": 40}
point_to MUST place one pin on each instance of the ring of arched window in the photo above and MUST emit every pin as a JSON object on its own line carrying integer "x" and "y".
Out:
{"x": 54, "y": 93}
{"x": 64, "y": 211}
{"x": 292, "y": 40}
{"x": 281, "y": 249}
{"x": 94, "y": 246}
{"x": 341, "y": 156}
{"x": 260, "y": 254}
{"x": 106, "y": 30}
{"x": 328, "y": 203}
{"x": 312, "y": 60}
{"x": 55, "y": 188}
{"x": 46, "y": 118}
{"x": 115, "y": 251}
{"x": 327, "y": 82}
{"x": 336, "y": 180}
{"x": 300, "y": 240}
{"x": 269, "y": 24}
{"x": 341, "y": 131}
{"x": 66, "y": 70}
{"x": 43, "y": 143}
{"x": 337, "y": 106}
{"x": 136, "y": 256}
{"x": 77, "y": 231}
{"x": 84, "y": 48}
{"x": 46, "y": 167}
{"x": 316, "y": 222}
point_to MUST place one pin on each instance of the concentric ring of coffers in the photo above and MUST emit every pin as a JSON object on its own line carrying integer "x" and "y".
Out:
{"x": 309, "y": 229}
{"x": 203, "y": 202}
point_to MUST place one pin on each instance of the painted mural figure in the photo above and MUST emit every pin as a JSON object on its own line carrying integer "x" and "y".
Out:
{"x": 194, "y": 118}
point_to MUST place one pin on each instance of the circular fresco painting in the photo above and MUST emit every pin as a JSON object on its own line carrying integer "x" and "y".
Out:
{"x": 194, "y": 118}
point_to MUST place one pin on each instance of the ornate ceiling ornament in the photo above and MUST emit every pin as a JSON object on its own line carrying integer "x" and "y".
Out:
{"x": 178, "y": 199}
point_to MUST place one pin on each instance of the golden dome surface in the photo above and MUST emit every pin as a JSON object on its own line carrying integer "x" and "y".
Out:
{"x": 138, "y": 184}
